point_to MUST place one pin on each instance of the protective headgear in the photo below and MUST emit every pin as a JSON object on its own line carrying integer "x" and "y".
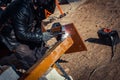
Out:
{"x": 44, "y": 7}
{"x": 4, "y": 2}
{"x": 46, "y": 4}
{"x": 40, "y": 2}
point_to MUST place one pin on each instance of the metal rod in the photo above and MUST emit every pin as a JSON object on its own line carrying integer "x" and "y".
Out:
{"x": 62, "y": 70}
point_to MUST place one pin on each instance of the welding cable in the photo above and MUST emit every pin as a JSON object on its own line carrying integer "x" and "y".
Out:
{"x": 113, "y": 45}
{"x": 62, "y": 70}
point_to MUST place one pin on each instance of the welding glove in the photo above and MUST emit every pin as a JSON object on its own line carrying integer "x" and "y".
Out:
{"x": 47, "y": 36}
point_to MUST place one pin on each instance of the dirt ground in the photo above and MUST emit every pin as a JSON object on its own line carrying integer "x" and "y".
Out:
{"x": 96, "y": 62}
{"x": 88, "y": 18}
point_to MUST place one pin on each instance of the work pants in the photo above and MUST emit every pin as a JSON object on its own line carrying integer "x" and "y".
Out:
{"x": 28, "y": 56}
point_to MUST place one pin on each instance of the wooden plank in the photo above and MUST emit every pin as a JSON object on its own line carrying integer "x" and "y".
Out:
{"x": 48, "y": 60}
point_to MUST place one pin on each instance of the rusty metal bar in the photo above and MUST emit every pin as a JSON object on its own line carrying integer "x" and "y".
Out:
{"x": 48, "y": 60}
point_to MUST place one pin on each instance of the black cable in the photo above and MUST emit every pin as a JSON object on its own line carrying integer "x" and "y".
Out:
{"x": 114, "y": 41}
{"x": 62, "y": 70}
{"x": 112, "y": 46}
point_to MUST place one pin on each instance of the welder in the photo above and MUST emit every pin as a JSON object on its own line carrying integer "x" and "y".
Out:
{"x": 20, "y": 30}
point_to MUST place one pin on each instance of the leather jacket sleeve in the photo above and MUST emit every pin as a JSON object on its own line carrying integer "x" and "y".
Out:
{"x": 21, "y": 26}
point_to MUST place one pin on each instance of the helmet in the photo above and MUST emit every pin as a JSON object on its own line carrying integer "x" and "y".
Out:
{"x": 39, "y": 2}
{"x": 46, "y": 4}
{"x": 4, "y": 2}
{"x": 43, "y": 7}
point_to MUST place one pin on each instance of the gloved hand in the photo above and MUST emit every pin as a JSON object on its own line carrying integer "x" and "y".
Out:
{"x": 47, "y": 36}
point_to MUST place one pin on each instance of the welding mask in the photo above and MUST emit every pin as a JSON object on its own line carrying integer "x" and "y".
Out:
{"x": 40, "y": 2}
{"x": 4, "y": 2}
{"x": 110, "y": 37}
{"x": 45, "y": 7}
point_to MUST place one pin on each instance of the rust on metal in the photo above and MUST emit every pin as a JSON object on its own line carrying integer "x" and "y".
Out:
{"x": 78, "y": 42}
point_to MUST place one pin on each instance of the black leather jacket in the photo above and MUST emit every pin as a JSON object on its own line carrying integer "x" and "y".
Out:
{"x": 18, "y": 24}
{"x": 4, "y": 2}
